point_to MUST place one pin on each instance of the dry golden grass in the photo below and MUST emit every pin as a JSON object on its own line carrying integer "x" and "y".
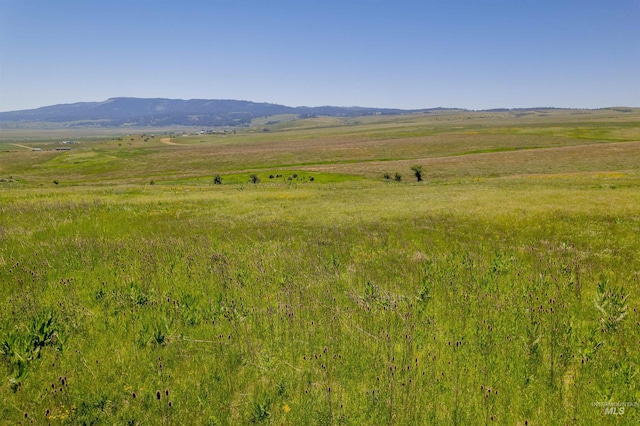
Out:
{"x": 567, "y": 159}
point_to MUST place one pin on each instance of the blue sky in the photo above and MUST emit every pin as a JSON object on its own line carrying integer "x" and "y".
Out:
{"x": 405, "y": 54}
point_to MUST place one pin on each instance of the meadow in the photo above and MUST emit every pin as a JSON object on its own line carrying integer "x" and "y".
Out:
{"x": 502, "y": 289}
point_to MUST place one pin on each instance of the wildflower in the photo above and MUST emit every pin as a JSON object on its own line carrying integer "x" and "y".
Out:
{"x": 286, "y": 408}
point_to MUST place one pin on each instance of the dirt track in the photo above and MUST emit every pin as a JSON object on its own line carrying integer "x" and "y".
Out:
{"x": 167, "y": 141}
{"x": 21, "y": 146}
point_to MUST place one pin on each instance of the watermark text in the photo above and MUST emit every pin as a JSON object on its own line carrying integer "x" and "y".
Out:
{"x": 616, "y": 408}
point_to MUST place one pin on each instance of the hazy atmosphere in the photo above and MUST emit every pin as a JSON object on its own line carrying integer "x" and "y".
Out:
{"x": 404, "y": 54}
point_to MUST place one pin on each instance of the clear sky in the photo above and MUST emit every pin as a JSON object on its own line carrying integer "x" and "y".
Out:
{"x": 472, "y": 54}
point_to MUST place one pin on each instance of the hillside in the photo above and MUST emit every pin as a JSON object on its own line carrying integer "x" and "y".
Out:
{"x": 303, "y": 276}
{"x": 137, "y": 112}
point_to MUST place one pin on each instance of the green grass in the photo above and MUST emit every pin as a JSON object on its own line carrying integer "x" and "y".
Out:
{"x": 272, "y": 177}
{"x": 503, "y": 289}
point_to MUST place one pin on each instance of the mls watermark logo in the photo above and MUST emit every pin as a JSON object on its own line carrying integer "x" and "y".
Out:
{"x": 616, "y": 411}
{"x": 615, "y": 408}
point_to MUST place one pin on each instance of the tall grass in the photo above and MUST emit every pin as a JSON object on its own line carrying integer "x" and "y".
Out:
{"x": 502, "y": 290}
{"x": 285, "y": 305}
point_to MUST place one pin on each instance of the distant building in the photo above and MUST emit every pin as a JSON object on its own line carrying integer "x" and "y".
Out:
{"x": 63, "y": 149}
{"x": 36, "y": 149}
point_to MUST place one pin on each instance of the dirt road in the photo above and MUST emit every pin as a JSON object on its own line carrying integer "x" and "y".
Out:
{"x": 21, "y": 146}
{"x": 167, "y": 141}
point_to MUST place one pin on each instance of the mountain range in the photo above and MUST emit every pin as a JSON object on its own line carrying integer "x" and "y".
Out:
{"x": 133, "y": 112}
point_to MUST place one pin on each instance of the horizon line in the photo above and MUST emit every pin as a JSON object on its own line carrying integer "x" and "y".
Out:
{"x": 322, "y": 106}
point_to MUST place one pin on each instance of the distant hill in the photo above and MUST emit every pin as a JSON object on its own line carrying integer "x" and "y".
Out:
{"x": 133, "y": 112}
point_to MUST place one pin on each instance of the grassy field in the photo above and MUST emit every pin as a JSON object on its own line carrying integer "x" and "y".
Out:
{"x": 502, "y": 289}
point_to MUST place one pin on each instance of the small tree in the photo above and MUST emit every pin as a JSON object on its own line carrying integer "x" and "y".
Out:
{"x": 217, "y": 180}
{"x": 254, "y": 179}
{"x": 417, "y": 171}
{"x": 398, "y": 177}
{"x": 387, "y": 176}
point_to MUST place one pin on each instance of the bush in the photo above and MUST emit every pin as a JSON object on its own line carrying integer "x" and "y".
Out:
{"x": 398, "y": 177}
{"x": 254, "y": 179}
{"x": 417, "y": 171}
{"x": 217, "y": 180}
{"x": 387, "y": 176}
